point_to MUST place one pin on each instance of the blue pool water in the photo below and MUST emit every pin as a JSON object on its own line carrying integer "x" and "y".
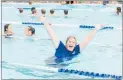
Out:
{"x": 103, "y": 54}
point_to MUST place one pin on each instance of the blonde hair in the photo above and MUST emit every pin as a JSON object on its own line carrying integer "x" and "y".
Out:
{"x": 71, "y": 37}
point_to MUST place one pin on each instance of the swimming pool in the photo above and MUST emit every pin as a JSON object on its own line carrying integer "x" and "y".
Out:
{"x": 103, "y": 54}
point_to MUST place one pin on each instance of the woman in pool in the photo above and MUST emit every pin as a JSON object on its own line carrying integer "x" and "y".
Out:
{"x": 20, "y": 10}
{"x": 8, "y": 30}
{"x": 43, "y": 12}
{"x": 29, "y": 31}
{"x": 30, "y": 2}
{"x": 66, "y": 13}
{"x": 118, "y": 11}
{"x": 52, "y": 12}
{"x": 65, "y": 52}
{"x": 34, "y": 11}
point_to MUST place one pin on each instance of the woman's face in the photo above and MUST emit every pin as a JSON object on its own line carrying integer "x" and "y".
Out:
{"x": 71, "y": 43}
{"x": 27, "y": 31}
{"x": 9, "y": 29}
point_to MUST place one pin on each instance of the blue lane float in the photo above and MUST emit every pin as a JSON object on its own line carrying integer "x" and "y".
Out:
{"x": 40, "y": 8}
{"x": 62, "y": 9}
{"x": 27, "y": 8}
{"x": 31, "y": 23}
{"x": 81, "y": 26}
{"x": 89, "y": 74}
{"x": 63, "y": 70}
{"x": 91, "y": 27}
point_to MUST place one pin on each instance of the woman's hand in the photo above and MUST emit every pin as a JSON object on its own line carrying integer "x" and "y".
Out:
{"x": 43, "y": 20}
{"x": 98, "y": 26}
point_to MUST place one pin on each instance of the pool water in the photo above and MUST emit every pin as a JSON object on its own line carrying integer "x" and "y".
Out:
{"x": 103, "y": 54}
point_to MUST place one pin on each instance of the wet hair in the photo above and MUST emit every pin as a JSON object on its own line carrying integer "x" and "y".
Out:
{"x": 71, "y": 37}
{"x": 32, "y": 30}
{"x": 43, "y": 11}
{"x": 20, "y": 10}
{"x": 52, "y": 11}
{"x": 30, "y": 2}
{"x": 33, "y": 8}
{"x": 107, "y": 2}
{"x": 71, "y": 2}
{"x": 65, "y": 11}
{"x": 104, "y": 2}
{"x": 118, "y": 10}
{"x": 67, "y": 2}
{"x": 6, "y": 27}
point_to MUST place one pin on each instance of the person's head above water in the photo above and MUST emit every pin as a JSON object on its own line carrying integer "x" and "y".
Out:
{"x": 118, "y": 10}
{"x": 52, "y": 11}
{"x": 29, "y": 31}
{"x": 72, "y": 2}
{"x": 30, "y": 2}
{"x": 67, "y": 2}
{"x": 8, "y": 29}
{"x": 65, "y": 11}
{"x": 43, "y": 11}
{"x": 33, "y": 10}
{"x": 104, "y": 2}
{"x": 71, "y": 43}
{"x": 21, "y": 10}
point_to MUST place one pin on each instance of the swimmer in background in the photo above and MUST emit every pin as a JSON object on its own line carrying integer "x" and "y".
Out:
{"x": 118, "y": 11}
{"x": 34, "y": 11}
{"x": 67, "y": 2}
{"x": 21, "y": 10}
{"x": 65, "y": 52}
{"x": 30, "y": 2}
{"x": 63, "y": 2}
{"x": 66, "y": 13}
{"x": 8, "y": 30}
{"x": 75, "y": 1}
{"x": 52, "y": 12}
{"x": 43, "y": 12}
{"x": 71, "y": 2}
{"x": 29, "y": 31}
{"x": 105, "y": 2}
{"x": 30, "y": 34}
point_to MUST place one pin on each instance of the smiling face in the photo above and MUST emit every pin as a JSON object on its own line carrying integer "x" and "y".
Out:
{"x": 71, "y": 43}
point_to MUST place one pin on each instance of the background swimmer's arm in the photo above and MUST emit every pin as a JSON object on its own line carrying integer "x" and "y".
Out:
{"x": 51, "y": 33}
{"x": 89, "y": 37}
